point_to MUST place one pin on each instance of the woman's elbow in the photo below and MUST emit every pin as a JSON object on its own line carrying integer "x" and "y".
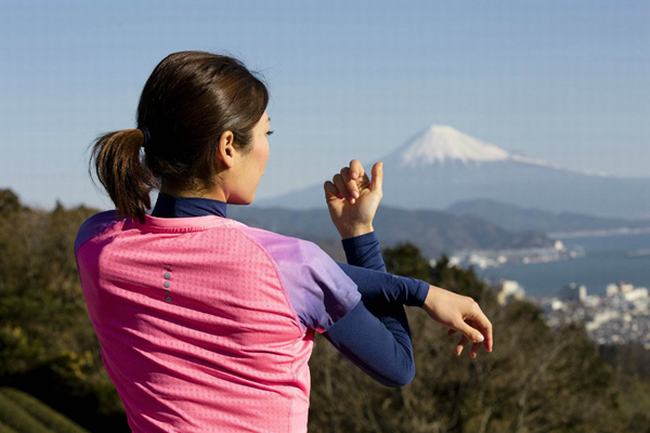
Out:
{"x": 400, "y": 378}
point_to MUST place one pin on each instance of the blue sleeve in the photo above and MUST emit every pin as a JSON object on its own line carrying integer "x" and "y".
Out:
{"x": 376, "y": 286}
{"x": 367, "y": 269}
{"x": 365, "y": 251}
{"x": 374, "y": 335}
{"x": 378, "y": 342}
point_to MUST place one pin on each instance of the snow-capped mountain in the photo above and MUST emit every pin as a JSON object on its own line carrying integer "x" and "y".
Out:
{"x": 441, "y": 165}
{"x": 440, "y": 143}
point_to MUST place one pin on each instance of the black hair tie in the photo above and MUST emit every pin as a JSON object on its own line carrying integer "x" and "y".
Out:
{"x": 147, "y": 135}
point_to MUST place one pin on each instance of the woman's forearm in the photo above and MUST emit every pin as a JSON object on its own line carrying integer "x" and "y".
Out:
{"x": 377, "y": 286}
{"x": 364, "y": 250}
{"x": 355, "y": 231}
{"x": 367, "y": 269}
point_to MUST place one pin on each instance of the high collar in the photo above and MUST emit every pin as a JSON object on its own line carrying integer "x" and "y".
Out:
{"x": 169, "y": 206}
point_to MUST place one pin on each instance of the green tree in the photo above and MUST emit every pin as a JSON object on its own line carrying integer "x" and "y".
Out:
{"x": 48, "y": 346}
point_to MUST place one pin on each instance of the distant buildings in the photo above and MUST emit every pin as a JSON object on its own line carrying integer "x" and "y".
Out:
{"x": 622, "y": 315}
{"x": 493, "y": 258}
{"x": 510, "y": 289}
{"x": 573, "y": 292}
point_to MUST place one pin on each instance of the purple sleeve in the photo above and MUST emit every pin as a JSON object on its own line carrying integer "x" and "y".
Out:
{"x": 320, "y": 292}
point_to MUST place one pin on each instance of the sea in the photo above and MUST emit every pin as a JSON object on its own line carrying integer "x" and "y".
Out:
{"x": 607, "y": 259}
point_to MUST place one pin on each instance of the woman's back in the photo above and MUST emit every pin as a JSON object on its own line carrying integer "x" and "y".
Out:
{"x": 197, "y": 321}
{"x": 205, "y": 323}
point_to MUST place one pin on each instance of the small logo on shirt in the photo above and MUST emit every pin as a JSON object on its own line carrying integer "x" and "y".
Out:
{"x": 167, "y": 276}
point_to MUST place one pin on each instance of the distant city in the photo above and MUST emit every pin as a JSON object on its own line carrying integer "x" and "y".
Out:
{"x": 621, "y": 315}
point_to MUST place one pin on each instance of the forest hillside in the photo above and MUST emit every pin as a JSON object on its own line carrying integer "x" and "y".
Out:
{"x": 537, "y": 379}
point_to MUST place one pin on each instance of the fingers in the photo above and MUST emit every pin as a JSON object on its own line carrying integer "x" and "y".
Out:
{"x": 339, "y": 182}
{"x": 351, "y": 188}
{"x": 377, "y": 176}
{"x": 347, "y": 182}
{"x": 472, "y": 334}
{"x": 460, "y": 345}
{"x": 330, "y": 191}
{"x": 356, "y": 169}
{"x": 476, "y": 328}
{"x": 481, "y": 322}
{"x": 474, "y": 351}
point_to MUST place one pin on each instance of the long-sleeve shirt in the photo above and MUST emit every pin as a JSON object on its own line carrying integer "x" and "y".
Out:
{"x": 383, "y": 352}
{"x": 191, "y": 342}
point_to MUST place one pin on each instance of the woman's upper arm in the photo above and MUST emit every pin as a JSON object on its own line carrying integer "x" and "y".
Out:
{"x": 318, "y": 289}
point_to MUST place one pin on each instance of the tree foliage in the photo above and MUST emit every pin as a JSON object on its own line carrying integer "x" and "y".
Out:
{"x": 537, "y": 379}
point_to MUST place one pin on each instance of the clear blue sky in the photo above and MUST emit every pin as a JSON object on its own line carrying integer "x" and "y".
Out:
{"x": 565, "y": 81}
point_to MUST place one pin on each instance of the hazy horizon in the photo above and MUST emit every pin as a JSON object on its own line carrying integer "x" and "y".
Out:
{"x": 567, "y": 83}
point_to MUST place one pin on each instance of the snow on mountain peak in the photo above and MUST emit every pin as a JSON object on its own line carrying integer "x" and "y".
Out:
{"x": 441, "y": 142}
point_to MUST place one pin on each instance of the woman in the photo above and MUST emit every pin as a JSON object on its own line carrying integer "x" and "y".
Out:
{"x": 205, "y": 323}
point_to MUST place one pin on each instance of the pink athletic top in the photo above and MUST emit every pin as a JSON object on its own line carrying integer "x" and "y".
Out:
{"x": 206, "y": 324}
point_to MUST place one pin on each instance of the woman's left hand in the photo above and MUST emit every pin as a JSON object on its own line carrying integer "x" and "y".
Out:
{"x": 353, "y": 198}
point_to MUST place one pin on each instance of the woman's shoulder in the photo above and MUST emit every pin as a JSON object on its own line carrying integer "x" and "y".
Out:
{"x": 94, "y": 225}
{"x": 106, "y": 215}
{"x": 278, "y": 242}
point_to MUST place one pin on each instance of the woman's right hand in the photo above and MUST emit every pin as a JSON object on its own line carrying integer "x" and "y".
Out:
{"x": 460, "y": 313}
{"x": 352, "y": 214}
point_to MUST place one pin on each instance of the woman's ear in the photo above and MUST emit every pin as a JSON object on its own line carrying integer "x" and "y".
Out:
{"x": 225, "y": 149}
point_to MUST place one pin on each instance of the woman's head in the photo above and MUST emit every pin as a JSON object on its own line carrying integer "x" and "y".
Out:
{"x": 207, "y": 121}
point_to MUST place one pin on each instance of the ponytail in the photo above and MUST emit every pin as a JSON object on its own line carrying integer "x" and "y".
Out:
{"x": 190, "y": 99}
{"x": 125, "y": 177}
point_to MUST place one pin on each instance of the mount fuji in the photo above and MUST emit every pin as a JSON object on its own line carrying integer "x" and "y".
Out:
{"x": 440, "y": 165}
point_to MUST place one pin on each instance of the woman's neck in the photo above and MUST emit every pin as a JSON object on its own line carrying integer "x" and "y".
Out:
{"x": 215, "y": 194}
{"x": 169, "y": 206}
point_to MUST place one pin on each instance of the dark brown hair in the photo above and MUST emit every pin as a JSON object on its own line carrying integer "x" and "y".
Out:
{"x": 188, "y": 101}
